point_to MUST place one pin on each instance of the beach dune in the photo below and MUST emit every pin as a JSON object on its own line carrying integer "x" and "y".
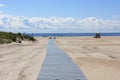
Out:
{"x": 22, "y": 61}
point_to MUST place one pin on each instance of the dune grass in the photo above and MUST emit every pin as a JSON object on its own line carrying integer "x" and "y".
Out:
{"x": 8, "y": 37}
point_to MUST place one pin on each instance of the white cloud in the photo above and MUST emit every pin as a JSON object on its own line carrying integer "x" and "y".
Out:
{"x": 1, "y": 5}
{"x": 89, "y": 24}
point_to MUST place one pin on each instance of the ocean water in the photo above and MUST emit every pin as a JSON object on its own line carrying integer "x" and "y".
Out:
{"x": 72, "y": 34}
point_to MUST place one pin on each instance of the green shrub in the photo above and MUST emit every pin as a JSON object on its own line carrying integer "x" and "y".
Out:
{"x": 8, "y": 37}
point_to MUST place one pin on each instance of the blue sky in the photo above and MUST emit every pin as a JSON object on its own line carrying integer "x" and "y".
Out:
{"x": 62, "y": 8}
{"x": 100, "y": 11}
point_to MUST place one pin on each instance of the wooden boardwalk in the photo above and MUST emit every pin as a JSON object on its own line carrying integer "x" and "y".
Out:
{"x": 59, "y": 66}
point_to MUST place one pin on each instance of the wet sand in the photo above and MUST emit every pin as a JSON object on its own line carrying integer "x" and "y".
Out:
{"x": 99, "y": 59}
{"x": 22, "y": 61}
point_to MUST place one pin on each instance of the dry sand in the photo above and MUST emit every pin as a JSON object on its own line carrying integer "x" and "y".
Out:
{"x": 99, "y": 59}
{"x": 22, "y": 61}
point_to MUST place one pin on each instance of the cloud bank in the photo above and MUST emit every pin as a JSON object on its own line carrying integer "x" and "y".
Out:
{"x": 57, "y": 24}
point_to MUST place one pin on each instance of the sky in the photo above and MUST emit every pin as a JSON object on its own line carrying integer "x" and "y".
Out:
{"x": 46, "y": 16}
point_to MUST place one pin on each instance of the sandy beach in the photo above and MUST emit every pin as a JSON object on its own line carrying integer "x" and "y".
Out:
{"x": 99, "y": 59}
{"x": 22, "y": 61}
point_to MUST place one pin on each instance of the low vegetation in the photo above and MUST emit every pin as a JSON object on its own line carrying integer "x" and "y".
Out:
{"x": 8, "y": 37}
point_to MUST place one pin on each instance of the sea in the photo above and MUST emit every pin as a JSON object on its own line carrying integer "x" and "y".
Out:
{"x": 71, "y": 34}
